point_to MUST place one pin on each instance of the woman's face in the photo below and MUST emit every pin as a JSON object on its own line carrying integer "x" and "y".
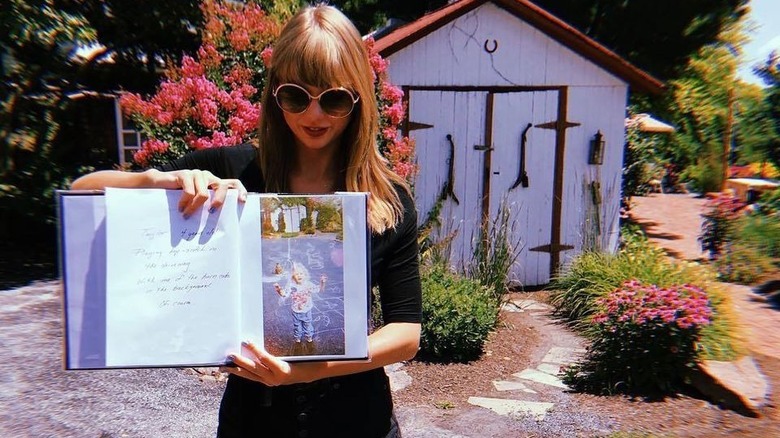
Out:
{"x": 313, "y": 129}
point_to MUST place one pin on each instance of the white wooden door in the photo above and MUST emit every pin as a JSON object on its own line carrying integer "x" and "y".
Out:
{"x": 530, "y": 207}
{"x": 461, "y": 116}
{"x": 490, "y": 170}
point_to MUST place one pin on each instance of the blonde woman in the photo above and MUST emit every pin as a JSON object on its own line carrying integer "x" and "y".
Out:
{"x": 317, "y": 135}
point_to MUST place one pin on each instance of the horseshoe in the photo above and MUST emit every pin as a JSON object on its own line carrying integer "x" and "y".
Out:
{"x": 495, "y": 46}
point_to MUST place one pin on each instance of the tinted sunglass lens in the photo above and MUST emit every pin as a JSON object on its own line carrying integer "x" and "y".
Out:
{"x": 292, "y": 99}
{"x": 337, "y": 103}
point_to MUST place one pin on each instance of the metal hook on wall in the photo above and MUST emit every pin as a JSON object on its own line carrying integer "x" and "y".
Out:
{"x": 449, "y": 187}
{"x": 522, "y": 175}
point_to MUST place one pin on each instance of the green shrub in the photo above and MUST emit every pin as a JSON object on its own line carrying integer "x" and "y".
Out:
{"x": 769, "y": 202}
{"x": 718, "y": 226}
{"x": 594, "y": 275}
{"x": 742, "y": 263}
{"x": 644, "y": 339}
{"x": 760, "y": 232}
{"x": 458, "y": 315}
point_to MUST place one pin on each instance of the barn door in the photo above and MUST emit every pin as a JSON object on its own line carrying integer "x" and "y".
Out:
{"x": 522, "y": 176}
{"x": 449, "y": 125}
{"x": 476, "y": 151}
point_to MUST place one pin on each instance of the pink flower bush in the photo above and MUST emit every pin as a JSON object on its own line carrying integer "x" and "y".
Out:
{"x": 684, "y": 307}
{"x": 213, "y": 100}
{"x": 644, "y": 339}
{"x": 398, "y": 150}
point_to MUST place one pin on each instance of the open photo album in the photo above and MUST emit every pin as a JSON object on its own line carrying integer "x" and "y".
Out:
{"x": 146, "y": 287}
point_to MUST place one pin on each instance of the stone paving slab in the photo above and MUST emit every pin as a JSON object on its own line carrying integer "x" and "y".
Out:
{"x": 563, "y": 355}
{"x": 513, "y": 407}
{"x": 507, "y": 385}
{"x": 540, "y": 377}
{"x": 550, "y": 368}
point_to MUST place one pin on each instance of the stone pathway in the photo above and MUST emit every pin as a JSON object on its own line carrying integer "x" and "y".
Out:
{"x": 535, "y": 391}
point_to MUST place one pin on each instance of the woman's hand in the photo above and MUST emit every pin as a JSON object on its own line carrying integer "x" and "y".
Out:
{"x": 263, "y": 367}
{"x": 195, "y": 185}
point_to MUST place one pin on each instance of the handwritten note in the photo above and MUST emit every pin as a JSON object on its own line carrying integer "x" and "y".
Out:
{"x": 165, "y": 273}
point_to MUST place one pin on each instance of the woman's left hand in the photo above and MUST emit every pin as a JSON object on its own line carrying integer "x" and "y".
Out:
{"x": 263, "y": 367}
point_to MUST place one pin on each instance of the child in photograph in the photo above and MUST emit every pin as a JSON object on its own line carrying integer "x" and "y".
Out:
{"x": 300, "y": 289}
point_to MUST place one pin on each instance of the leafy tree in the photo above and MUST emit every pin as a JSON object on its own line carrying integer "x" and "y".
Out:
{"x": 770, "y": 73}
{"x": 658, "y": 36}
{"x": 702, "y": 104}
{"x": 137, "y": 37}
{"x": 38, "y": 74}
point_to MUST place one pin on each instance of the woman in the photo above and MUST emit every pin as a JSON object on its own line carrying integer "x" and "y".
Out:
{"x": 317, "y": 135}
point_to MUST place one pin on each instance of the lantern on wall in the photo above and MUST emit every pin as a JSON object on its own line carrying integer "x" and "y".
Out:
{"x": 596, "y": 155}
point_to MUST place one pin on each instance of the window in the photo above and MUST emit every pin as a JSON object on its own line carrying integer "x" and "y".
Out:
{"x": 129, "y": 138}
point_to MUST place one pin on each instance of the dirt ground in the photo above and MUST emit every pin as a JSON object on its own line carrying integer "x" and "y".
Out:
{"x": 672, "y": 222}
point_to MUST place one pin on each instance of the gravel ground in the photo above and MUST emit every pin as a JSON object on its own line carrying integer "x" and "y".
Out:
{"x": 39, "y": 399}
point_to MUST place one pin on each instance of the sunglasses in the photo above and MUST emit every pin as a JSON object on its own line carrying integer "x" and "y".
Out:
{"x": 336, "y": 102}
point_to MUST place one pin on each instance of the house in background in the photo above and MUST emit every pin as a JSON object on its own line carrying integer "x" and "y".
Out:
{"x": 508, "y": 105}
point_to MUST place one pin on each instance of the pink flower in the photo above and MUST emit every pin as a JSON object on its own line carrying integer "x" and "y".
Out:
{"x": 266, "y": 55}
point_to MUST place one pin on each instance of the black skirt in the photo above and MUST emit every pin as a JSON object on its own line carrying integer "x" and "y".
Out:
{"x": 356, "y": 405}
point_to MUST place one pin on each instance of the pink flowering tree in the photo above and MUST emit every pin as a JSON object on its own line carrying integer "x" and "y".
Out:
{"x": 399, "y": 150}
{"x": 213, "y": 99}
{"x": 644, "y": 339}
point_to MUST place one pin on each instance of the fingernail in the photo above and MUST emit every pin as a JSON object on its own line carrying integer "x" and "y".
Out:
{"x": 231, "y": 357}
{"x": 212, "y": 209}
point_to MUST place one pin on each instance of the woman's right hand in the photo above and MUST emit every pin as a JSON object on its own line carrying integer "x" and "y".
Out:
{"x": 195, "y": 185}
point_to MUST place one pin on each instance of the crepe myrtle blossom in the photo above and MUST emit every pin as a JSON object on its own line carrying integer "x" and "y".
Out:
{"x": 213, "y": 99}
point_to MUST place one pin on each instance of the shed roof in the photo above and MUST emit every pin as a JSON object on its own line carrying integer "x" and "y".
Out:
{"x": 535, "y": 16}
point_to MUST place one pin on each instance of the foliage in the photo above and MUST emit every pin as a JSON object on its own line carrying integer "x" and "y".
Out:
{"x": 398, "y": 150}
{"x": 657, "y": 36}
{"x": 494, "y": 253}
{"x": 770, "y": 73}
{"x": 742, "y": 263}
{"x": 645, "y": 339}
{"x": 211, "y": 101}
{"x": 458, "y": 315}
{"x": 591, "y": 276}
{"x": 752, "y": 244}
{"x": 718, "y": 224}
{"x": 36, "y": 155}
{"x": 706, "y": 174}
{"x": 637, "y": 159}
{"x": 769, "y": 202}
{"x": 214, "y": 99}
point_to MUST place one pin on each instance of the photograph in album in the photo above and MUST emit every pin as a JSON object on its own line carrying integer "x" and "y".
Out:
{"x": 303, "y": 284}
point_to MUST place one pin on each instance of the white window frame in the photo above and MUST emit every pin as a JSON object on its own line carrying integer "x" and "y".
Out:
{"x": 121, "y": 131}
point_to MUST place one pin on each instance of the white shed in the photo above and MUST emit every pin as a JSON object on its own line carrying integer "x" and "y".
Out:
{"x": 504, "y": 104}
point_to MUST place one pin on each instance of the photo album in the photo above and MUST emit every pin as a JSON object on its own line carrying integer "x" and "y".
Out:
{"x": 146, "y": 287}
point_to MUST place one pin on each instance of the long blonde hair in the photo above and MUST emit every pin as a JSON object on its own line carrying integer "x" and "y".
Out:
{"x": 320, "y": 47}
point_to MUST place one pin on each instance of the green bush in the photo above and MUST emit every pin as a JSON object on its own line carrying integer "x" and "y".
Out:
{"x": 769, "y": 202}
{"x": 645, "y": 339}
{"x": 458, "y": 315}
{"x": 760, "y": 232}
{"x": 742, "y": 263}
{"x": 591, "y": 276}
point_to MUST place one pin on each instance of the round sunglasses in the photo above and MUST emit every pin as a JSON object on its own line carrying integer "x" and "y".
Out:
{"x": 336, "y": 102}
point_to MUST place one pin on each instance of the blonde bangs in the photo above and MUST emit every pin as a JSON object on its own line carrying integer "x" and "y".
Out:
{"x": 316, "y": 61}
